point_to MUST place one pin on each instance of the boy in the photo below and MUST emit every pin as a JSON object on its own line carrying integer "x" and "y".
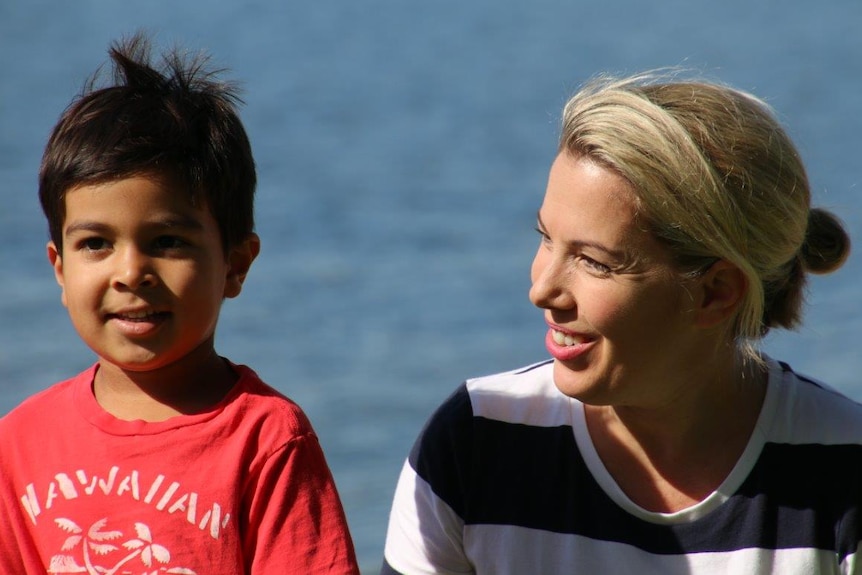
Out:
{"x": 163, "y": 456}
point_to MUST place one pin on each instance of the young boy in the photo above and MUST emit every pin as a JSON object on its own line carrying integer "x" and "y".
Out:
{"x": 163, "y": 456}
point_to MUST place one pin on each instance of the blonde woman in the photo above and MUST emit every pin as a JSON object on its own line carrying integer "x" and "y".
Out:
{"x": 676, "y": 230}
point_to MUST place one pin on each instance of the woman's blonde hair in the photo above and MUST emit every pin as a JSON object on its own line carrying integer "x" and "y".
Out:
{"x": 716, "y": 178}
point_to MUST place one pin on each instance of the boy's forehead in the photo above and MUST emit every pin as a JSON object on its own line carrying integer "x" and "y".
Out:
{"x": 162, "y": 179}
{"x": 132, "y": 187}
{"x": 140, "y": 196}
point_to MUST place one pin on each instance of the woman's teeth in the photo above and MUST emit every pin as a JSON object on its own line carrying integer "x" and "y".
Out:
{"x": 564, "y": 339}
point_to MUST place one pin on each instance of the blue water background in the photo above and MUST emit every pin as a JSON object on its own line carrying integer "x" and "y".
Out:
{"x": 403, "y": 149}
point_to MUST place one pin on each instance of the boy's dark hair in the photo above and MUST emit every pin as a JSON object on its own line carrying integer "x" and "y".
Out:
{"x": 177, "y": 122}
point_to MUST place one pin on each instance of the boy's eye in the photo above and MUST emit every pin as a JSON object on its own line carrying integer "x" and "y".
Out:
{"x": 169, "y": 242}
{"x": 93, "y": 244}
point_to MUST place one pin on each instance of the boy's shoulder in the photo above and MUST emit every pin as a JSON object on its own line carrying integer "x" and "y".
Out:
{"x": 263, "y": 407}
{"x": 251, "y": 407}
{"x": 47, "y": 402}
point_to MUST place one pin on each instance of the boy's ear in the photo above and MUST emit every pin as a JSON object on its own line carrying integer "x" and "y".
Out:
{"x": 239, "y": 261}
{"x": 56, "y": 260}
{"x": 722, "y": 288}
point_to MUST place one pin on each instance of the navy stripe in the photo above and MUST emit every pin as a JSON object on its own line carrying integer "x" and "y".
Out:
{"x": 530, "y": 368}
{"x": 813, "y": 491}
{"x": 387, "y": 569}
{"x": 785, "y": 367}
{"x": 492, "y": 472}
{"x": 818, "y": 384}
{"x": 443, "y": 451}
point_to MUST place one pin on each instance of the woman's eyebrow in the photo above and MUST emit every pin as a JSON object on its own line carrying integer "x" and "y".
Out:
{"x": 618, "y": 255}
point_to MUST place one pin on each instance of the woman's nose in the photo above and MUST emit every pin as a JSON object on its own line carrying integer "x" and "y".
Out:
{"x": 550, "y": 289}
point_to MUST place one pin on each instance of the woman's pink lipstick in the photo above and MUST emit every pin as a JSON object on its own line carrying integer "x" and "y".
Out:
{"x": 562, "y": 351}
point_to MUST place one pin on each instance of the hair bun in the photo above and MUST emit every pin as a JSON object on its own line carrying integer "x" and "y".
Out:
{"x": 827, "y": 244}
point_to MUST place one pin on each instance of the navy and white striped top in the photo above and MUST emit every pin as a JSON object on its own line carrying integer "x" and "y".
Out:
{"x": 504, "y": 479}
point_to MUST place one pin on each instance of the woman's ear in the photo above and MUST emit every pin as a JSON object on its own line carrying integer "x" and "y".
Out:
{"x": 721, "y": 289}
{"x": 239, "y": 261}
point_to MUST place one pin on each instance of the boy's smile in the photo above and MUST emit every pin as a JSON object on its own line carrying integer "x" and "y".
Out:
{"x": 140, "y": 323}
{"x": 143, "y": 272}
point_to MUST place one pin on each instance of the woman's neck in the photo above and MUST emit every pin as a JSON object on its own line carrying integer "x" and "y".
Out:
{"x": 668, "y": 457}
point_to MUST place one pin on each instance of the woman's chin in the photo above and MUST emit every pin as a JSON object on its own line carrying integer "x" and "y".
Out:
{"x": 578, "y": 384}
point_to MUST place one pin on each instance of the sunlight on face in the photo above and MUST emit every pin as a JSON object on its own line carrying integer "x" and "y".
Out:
{"x": 143, "y": 272}
{"x": 612, "y": 299}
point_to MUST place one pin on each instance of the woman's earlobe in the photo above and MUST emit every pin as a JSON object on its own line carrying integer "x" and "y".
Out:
{"x": 722, "y": 289}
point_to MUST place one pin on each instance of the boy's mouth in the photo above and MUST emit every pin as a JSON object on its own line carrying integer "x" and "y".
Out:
{"x": 137, "y": 315}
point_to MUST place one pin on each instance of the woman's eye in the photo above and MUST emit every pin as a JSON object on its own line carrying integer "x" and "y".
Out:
{"x": 542, "y": 233}
{"x": 596, "y": 266}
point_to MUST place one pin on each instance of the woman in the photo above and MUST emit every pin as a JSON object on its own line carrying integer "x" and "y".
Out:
{"x": 676, "y": 230}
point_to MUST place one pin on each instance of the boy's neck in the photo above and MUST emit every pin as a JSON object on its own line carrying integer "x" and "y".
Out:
{"x": 181, "y": 388}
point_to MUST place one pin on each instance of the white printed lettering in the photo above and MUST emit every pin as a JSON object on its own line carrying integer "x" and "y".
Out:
{"x": 130, "y": 483}
{"x": 52, "y": 494}
{"x": 163, "y": 502}
{"x": 107, "y": 486}
{"x": 193, "y": 508}
{"x": 31, "y": 503}
{"x": 154, "y": 489}
{"x": 67, "y": 486}
{"x": 179, "y": 504}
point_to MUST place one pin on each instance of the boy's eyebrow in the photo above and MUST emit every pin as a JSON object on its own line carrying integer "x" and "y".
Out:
{"x": 616, "y": 254}
{"x": 170, "y": 222}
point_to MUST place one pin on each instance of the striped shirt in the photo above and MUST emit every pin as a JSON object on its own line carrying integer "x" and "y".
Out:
{"x": 504, "y": 479}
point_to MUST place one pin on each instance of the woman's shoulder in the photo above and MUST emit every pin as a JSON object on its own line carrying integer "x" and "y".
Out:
{"x": 524, "y": 396}
{"x": 512, "y": 381}
{"x": 808, "y": 410}
{"x": 485, "y": 413}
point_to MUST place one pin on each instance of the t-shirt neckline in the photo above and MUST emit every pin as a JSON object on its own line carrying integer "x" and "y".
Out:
{"x": 85, "y": 403}
{"x": 728, "y": 487}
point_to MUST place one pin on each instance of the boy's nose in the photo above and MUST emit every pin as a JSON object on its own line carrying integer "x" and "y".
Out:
{"x": 134, "y": 270}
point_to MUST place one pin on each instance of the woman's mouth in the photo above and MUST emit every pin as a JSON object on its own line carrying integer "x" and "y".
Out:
{"x": 566, "y": 339}
{"x": 567, "y": 346}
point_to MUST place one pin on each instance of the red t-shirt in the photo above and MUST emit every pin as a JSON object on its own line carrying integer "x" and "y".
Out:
{"x": 241, "y": 488}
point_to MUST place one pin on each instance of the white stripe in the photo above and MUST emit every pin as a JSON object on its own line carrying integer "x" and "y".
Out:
{"x": 529, "y": 398}
{"x": 799, "y": 415}
{"x": 510, "y": 550}
{"x": 424, "y": 534}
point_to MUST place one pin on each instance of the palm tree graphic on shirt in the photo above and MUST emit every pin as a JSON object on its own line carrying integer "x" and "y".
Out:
{"x": 99, "y": 544}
